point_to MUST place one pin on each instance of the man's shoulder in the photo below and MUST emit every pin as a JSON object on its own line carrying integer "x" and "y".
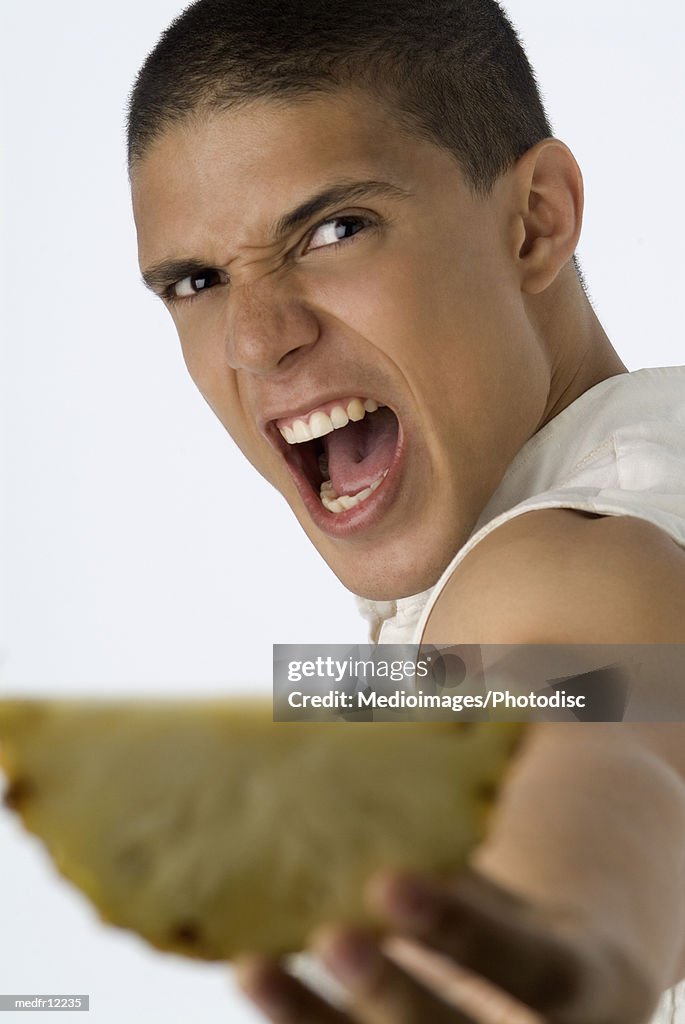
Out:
{"x": 560, "y": 576}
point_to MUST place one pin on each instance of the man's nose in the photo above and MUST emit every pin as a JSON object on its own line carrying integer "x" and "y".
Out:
{"x": 268, "y": 327}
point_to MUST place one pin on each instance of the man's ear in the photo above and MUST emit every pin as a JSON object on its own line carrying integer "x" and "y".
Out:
{"x": 548, "y": 191}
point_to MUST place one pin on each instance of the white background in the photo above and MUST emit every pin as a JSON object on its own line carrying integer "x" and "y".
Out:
{"x": 137, "y": 551}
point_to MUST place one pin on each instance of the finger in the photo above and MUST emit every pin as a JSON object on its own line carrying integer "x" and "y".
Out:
{"x": 457, "y": 985}
{"x": 380, "y": 992}
{"x": 281, "y": 997}
{"x": 493, "y": 933}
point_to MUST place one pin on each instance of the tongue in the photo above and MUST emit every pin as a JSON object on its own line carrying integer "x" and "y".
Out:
{"x": 359, "y": 452}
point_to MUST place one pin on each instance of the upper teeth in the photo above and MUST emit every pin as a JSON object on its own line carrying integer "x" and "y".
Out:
{"x": 320, "y": 423}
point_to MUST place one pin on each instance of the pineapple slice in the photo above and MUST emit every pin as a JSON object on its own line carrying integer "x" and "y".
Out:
{"x": 212, "y": 831}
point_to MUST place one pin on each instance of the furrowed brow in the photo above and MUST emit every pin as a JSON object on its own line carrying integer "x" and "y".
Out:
{"x": 162, "y": 275}
{"x": 336, "y": 195}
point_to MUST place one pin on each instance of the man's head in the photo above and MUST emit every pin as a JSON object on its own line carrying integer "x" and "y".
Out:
{"x": 450, "y": 70}
{"x": 359, "y": 204}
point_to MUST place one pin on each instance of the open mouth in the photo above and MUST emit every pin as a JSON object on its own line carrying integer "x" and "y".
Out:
{"x": 342, "y": 451}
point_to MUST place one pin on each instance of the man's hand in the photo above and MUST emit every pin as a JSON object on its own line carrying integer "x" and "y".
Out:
{"x": 548, "y": 965}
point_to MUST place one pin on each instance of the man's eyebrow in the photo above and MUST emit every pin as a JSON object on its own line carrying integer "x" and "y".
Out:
{"x": 161, "y": 275}
{"x": 335, "y": 195}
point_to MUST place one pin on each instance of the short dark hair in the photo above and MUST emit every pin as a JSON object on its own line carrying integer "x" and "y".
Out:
{"x": 454, "y": 71}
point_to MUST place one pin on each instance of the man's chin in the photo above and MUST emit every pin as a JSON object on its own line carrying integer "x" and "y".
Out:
{"x": 390, "y": 560}
{"x": 382, "y": 579}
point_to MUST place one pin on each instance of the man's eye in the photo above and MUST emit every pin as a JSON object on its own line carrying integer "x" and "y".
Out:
{"x": 337, "y": 229}
{"x": 194, "y": 284}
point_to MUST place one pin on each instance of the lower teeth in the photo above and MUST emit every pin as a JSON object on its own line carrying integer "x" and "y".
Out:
{"x": 342, "y": 503}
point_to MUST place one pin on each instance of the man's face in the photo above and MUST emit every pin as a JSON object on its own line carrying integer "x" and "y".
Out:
{"x": 319, "y": 262}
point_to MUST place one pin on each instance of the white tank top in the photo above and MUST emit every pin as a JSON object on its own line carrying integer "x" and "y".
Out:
{"x": 617, "y": 450}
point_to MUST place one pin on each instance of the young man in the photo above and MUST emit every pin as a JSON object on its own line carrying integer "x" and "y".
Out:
{"x": 365, "y": 234}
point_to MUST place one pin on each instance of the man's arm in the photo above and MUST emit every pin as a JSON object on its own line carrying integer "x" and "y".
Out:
{"x": 594, "y": 817}
{"x": 577, "y": 904}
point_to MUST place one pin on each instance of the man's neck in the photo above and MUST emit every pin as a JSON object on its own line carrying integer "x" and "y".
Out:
{"x": 581, "y": 354}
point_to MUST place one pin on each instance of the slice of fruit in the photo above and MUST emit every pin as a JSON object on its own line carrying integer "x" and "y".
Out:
{"x": 211, "y": 830}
